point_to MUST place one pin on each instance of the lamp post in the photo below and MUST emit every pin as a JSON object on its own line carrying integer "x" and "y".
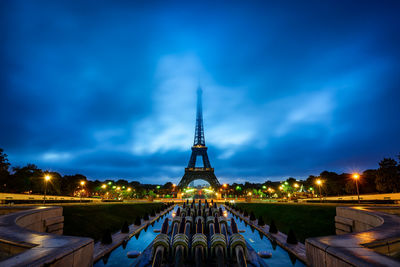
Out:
{"x": 296, "y": 188}
{"x": 225, "y": 186}
{"x": 46, "y": 179}
{"x": 82, "y": 184}
{"x": 356, "y": 176}
{"x": 319, "y": 182}
{"x": 104, "y": 187}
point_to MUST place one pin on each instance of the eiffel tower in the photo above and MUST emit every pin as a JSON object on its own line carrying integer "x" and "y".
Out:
{"x": 199, "y": 149}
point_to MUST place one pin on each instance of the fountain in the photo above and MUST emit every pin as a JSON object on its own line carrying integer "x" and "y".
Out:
{"x": 199, "y": 235}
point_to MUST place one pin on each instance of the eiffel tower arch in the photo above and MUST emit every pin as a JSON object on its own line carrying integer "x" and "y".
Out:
{"x": 199, "y": 149}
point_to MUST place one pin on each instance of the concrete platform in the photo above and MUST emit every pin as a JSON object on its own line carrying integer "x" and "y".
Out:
{"x": 366, "y": 236}
{"x": 31, "y": 237}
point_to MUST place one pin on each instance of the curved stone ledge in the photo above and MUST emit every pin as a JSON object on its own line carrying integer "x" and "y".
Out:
{"x": 31, "y": 237}
{"x": 365, "y": 236}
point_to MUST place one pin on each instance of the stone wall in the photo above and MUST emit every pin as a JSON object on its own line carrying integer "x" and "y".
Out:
{"x": 367, "y": 197}
{"x": 31, "y": 198}
{"x": 48, "y": 221}
{"x": 33, "y": 237}
{"x": 355, "y": 220}
{"x": 366, "y": 237}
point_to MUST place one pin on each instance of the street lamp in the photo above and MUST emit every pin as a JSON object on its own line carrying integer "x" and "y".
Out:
{"x": 46, "y": 179}
{"x": 82, "y": 184}
{"x": 319, "y": 183}
{"x": 356, "y": 176}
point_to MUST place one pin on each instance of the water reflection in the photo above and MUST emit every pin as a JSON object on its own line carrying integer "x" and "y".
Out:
{"x": 273, "y": 244}
{"x": 280, "y": 257}
{"x": 118, "y": 258}
{"x": 292, "y": 258}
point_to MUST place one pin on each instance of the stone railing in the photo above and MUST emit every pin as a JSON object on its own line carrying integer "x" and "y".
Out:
{"x": 7, "y": 198}
{"x": 32, "y": 237}
{"x": 365, "y": 237}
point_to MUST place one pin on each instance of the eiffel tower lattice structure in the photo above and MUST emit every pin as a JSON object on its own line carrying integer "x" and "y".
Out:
{"x": 199, "y": 149}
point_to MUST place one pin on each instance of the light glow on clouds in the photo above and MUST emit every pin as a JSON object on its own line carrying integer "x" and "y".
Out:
{"x": 56, "y": 157}
{"x": 309, "y": 108}
{"x": 171, "y": 124}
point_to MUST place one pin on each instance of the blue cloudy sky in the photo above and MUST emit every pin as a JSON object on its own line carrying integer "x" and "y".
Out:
{"x": 291, "y": 88}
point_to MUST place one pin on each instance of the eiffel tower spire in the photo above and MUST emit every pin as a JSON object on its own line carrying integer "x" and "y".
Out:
{"x": 199, "y": 139}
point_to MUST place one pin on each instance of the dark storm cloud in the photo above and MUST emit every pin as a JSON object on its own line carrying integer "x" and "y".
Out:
{"x": 107, "y": 88}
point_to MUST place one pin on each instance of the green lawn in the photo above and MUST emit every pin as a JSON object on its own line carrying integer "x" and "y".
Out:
{"x": 92, "y": 220}
{"x": 305, "y": 220}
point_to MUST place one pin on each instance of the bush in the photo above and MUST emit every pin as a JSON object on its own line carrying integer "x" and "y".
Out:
{"x": 252, "y": 216}
{"x": 125, "y": 228}
{"x": 245, "y": 214}
{"x": 152, "y": 213}
{"x": 107, "y": 237}
{"x": 146, "y": 216}
{"x": 291, "y": 238}
{"x": 261, "y": 221}
{"x": 138, "y": 221}
{"x": 272, "y": 228}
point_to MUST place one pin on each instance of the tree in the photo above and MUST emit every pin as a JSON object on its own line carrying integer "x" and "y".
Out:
{"x": 4, "y": 166}
{"x": 351, "y": 187}
{"x": 122, "y": 182}
{"x": 387, "y": 176}
{"x": 334, "y": 183}
{"x": 167, "y": 186}
{"x": 53, "y": 185}
{"x": 70, "y": 183}
{"x": 367, "y": 182}
{"x": 25, "y": 179}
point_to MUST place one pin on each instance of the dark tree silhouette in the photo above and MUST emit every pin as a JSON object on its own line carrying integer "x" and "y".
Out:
{"x": 387, "y": 176}
{"x": 4, "y": 172}
{"x": 70, "y": 183}
{"x": 25, "y": 179}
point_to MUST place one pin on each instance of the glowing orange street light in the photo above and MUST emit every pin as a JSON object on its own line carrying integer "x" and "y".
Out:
{"x": 82, "y": 184}
{"x": 225, "y": 185}
{"x": 104, "y": 186}
{"x": 356, "y": 176}
{"x": 46, "y": 179}
{"x": 319, "y": 183}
